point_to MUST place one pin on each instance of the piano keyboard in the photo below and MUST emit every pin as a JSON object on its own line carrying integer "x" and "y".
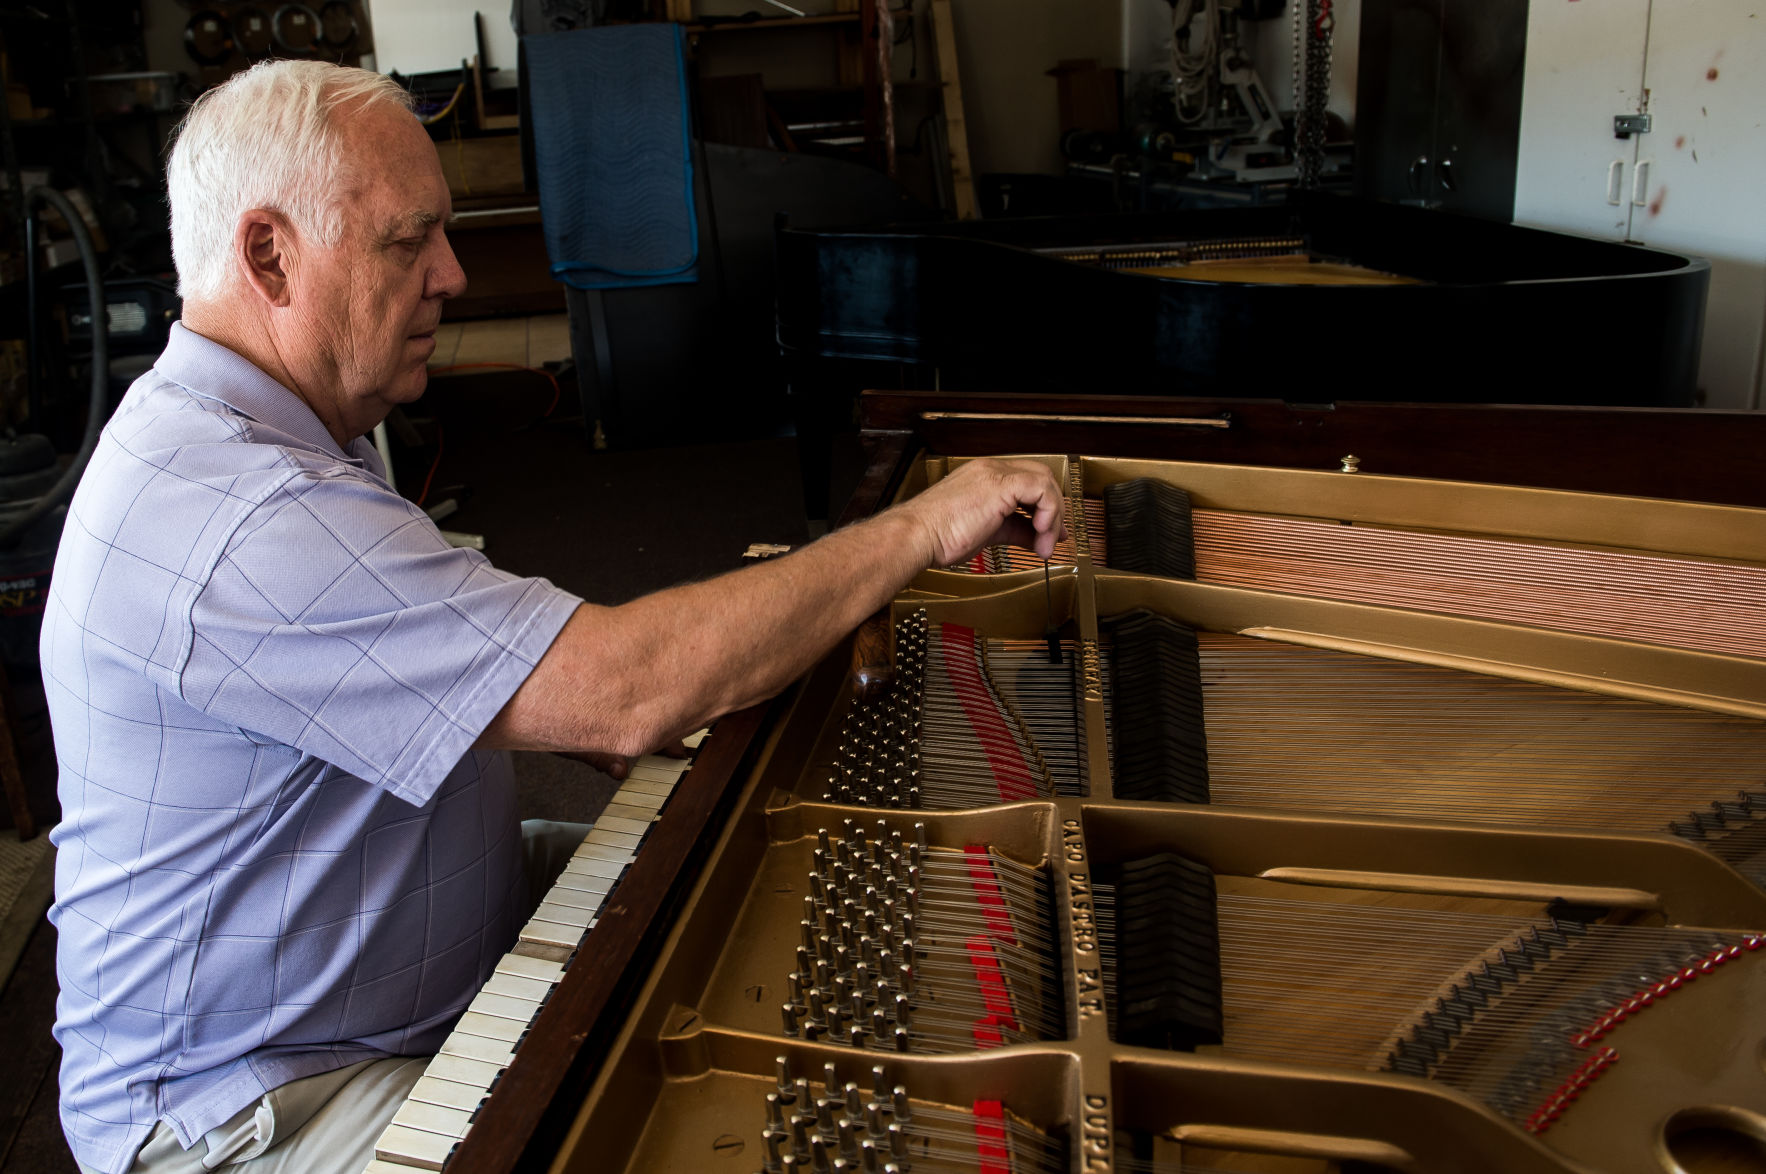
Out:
{"x": 441, "y": 1106}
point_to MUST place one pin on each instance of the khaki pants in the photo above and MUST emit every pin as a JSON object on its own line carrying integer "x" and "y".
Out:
{"x": 328, "y": 1124}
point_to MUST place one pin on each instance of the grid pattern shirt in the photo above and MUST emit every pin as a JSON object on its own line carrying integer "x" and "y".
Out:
{"x": 279, "y": 853}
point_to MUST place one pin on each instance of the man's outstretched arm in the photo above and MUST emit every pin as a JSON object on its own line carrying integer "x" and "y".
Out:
{"x": 626, "y": 679}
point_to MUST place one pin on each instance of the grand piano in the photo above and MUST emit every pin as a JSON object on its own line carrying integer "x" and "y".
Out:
{"x": 1501, "y": 909}
{"x": 1322, "y": 299}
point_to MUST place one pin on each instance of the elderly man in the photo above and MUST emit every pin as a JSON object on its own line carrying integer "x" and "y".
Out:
{"x": 289, "y": 852}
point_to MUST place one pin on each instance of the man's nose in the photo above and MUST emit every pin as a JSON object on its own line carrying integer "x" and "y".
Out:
{"x": 446, "y": 278}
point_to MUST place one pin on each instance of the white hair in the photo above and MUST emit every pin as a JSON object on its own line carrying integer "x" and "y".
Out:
{"x": 267, "y": 138}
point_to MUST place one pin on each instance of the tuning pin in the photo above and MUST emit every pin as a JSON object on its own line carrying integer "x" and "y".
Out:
{"x": 905, "y": 978}
{"x": 901, "y": 1039}
{"x": 770, "y": 1160}
{"x": 880, "y": 1024}
{"x": 898, "y": 1141}
{"x": 830, "y": 1082}
{"x": 775, "y": 1113}
{"x": 879, "y": 1084}
{"x": 899, "y": 1104}
{"x": 818, "y": 1156}
{"x": 854, "y": 1101}
{"x": 800, "y": 1090}
{"x": 782, "y": 1071}
{"x": 848, "y": 1138}
{"x": 800, "y": 1134}
{"x": 825, "y": 1116}
{"x": 789, "y": 1014}
{"x": 855, "y": 1034}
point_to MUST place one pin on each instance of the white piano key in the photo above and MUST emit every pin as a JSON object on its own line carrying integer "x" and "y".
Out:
{"x": 381, "y": 1166}
{"x": 522, "y": 966}
{"x": 561, "y": 914}
{"x": 584, "y": 892}
{"x": 662, "y": 762}
{"x": 594, "y": 866}
{"x": 576, "y": 888}
{"x": 478, "y": 1047}
{"x": 462, "y": 1070}
{"x": 618, "y": 810}
{"x": 546, "y": 933}
{"x": 647, "y": 787}
{"x": 693, "y": 740}
{"x": 613, "y": 839}
{"x": 515, "y": 986}
{"x": 520, "y": 1010}
{"x": 433, "y": 1119}
{"x": 432, "y": 1091}
{"x": 631, "y": 827}
{"x": 660, "y": 775}
{"x": 588, "y": 851}
{"x": 414, "y": 1147}
{"x": 490, "y": 1027}
{"x": 640, "y": 800}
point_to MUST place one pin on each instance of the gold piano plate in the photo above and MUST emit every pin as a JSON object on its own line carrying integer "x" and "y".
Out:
{"x": 1462, "y": 891}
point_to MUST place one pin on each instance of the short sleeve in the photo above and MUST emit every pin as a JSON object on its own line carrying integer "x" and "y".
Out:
{"x": 338, "y": 621}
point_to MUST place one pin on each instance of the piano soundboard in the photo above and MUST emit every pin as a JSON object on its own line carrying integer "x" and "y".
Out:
{"x": 439, "y": 1112}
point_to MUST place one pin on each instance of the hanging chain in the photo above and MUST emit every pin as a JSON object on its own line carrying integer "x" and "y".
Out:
{"x": 1310, "y": 119}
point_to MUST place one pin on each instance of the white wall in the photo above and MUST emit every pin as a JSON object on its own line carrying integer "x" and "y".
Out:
{"x": 424, "y": 36}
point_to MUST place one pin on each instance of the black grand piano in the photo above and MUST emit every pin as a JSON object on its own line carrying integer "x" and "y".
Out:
{"x": 1323, "y": 299}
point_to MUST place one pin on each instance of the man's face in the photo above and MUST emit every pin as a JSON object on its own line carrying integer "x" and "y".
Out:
{"x": 364, "y": 313}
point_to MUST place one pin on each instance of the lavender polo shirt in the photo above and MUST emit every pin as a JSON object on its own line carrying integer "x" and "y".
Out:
{"x": 279, "y": 853}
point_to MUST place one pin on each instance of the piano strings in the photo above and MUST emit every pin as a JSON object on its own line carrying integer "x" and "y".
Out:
{"x": 913, "y": 948}
{"x": 1705, "y": 604}
{"x": 1292, "y": 727}
{"x": 885, "y": 1132}
{"x": 1512, "y": 1008}
{"x": 968, "y": 721}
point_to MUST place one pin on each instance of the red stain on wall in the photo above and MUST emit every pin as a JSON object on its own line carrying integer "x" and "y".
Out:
{"x": 1679, "y": 142}
{"x": 1711, "y": 74}
{"x": 1655, "y": 205}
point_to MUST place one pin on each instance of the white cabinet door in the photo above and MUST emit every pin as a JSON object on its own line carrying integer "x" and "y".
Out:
{"x": 1704, "y": 164}
{"x": 1585, "y": 64}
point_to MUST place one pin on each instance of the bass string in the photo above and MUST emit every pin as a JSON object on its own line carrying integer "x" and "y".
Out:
{"x": 1662, "y": 599}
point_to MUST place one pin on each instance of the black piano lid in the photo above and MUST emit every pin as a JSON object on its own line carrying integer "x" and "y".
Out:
{"x": 1502, "y": 313}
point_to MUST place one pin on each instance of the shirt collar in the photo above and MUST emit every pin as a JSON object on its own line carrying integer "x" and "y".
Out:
{"x": 213, "y": 371}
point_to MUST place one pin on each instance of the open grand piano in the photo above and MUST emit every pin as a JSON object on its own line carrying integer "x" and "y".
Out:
{"x": 1357, "y": 822}
{"x": 1320, "y": 299}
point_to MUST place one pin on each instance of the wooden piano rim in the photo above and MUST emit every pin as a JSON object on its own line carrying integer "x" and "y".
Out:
{"x": 1682, "y": 454}
{"x": 565, "y": 1045}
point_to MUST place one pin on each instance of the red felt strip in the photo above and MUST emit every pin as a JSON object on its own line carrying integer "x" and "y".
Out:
{"x": 994, "y": 994}
{"x": 990, "y": 1138}
{"x": 1011, "y": 774}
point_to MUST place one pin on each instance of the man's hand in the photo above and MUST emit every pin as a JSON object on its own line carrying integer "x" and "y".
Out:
{"x": 977, "y": 506}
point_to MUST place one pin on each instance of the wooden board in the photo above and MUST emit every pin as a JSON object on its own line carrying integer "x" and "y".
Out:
{"x": 956, "y": 130}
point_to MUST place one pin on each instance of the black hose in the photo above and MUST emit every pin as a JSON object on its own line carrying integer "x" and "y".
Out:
{"x": 95, "y": 413}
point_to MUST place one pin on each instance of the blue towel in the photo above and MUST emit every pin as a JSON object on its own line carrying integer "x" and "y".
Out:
{"x": 613, "y": 148}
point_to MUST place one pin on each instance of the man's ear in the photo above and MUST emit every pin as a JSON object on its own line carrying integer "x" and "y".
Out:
{"x": 263, "y": 247}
